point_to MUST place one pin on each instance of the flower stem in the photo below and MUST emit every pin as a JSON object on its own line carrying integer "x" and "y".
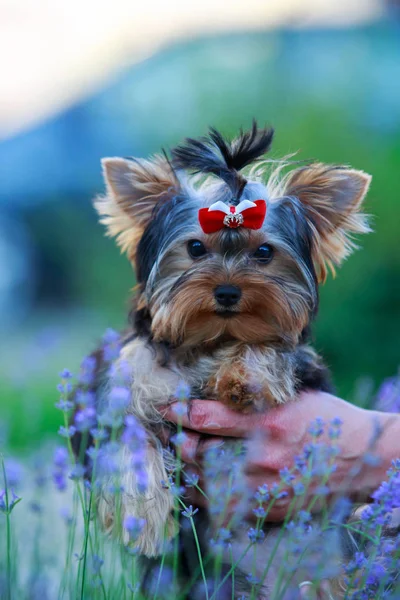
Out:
{"x": 8, "y": 533}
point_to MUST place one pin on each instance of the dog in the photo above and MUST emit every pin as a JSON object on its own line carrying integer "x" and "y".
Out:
{"x": 229, "y": 249}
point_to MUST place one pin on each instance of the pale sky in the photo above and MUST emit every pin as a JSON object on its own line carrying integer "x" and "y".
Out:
{"x": 54, "y": 52}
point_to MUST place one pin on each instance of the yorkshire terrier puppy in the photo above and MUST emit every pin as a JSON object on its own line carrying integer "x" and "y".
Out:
{"x": 228, "y": 267}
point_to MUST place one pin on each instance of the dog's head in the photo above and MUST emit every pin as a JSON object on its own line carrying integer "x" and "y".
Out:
{"x": 232, "y": 272}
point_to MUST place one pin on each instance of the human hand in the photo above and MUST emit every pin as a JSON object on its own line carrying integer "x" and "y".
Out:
{"x": 282, "y": 433}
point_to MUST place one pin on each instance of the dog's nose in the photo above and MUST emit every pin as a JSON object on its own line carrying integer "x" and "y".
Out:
{"x": 227, "y": 295}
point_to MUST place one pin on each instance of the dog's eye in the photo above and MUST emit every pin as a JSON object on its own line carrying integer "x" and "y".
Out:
{"x": 196, "y": 248}
{"x": 264, "y": 254}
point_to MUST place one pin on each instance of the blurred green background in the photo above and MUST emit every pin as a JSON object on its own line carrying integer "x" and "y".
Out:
{"x": 332, "y": 94}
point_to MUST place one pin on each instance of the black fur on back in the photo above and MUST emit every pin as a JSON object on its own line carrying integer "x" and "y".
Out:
{"x": 218, "y": 156}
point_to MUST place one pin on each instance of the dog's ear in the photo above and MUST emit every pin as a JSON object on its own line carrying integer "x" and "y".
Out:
{"x": 332, "y": 199}
{"x": 134, "y": 188}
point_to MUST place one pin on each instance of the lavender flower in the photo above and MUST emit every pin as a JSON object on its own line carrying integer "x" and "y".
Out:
{"x": 66, "y": 432}
{"x": 298, "y": 488}
{"x": 98, "y": 434}
{"x": 64, "y": 405}
{"x": 260, "y": 512}
{"x": 316, "y": 428}
{"x": 189, "y": 512}
{"x": 255, "y": 535}
{"x": 119, "y": 399}
{"x": 3, "y": 505}
{"x": 60, "y": 466}
{"x": 85, "y": 419}
{"x": 252, "y": 579}
{"x": 87, "y": 371}
{"x": 191, "y": 479}
{"x": 77, "y": 472}
{"x": 134, "y": 527}
{"x": 111, "y": 345}
{"x": 14, "y": 472}
{"x": 179, "y": 438}
{"x": 12, "y": 502}
{"x": 388, "y": 396}
{"x": 65, "y": 374}
{"x": 64, "y": 387}
{"x": 182, "y": 391}
{"x": 85, "y": 398}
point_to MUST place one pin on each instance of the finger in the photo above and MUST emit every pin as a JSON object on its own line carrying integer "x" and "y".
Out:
{"x": 189, "y": 447}
{"x": 208, "y": 416}
{"x": 194, "y": 446}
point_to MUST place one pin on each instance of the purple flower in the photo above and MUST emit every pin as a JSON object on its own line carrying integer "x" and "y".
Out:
{"x": 222, "y": 539}
{"x": 260, "y": 512}
{"x": 87, "y": 371}
{"x": 108, "y": 461}
{"x": 120, "y": 373}
{"x": 64, "y": 388}
{"x": 60, "y": 462}
{"x": 134, "y": 527}
{"x": 14, "y": 472}
{"x": 301, "y": 464}
{"x": 134, "y": 435}
{"x": 142, "y": 480}
{"x": 98, "y": 434}
{"x": 388, "y": 396}
{"x": 189, "y": 512}
{"x": 182, "y": 391}
{"x": 286, "y": 475}
{"x": 97, "y": 563}
{"x": 322, "y": 490}
{"x": 77, "y": 472}
{"x": 180, "y": 409}
{"x": 179, "y": 438}
{"x": 85, "y": 398}
{"x": 85, "y": 419}
{"x": 303, "y": 516}
{"x": 64, "y": 405}
{"x": 255, "y": 535}
{"x": 111, "y": 345}
{"x": 262, "y": 493}
{"x": 65, "y": 374}
{"x": 191, "y": 479}
{"x": 119, "y": 399}
{"x": 277, "y": 493}
{"x": 298, "y": 488}
{"x": 3, "y": 505}
{"x": 66, "y": 516}
{"x": 60, "y": 458}
{"x": 252, "y": 579}
{"x": 66, "y": 432}
{"x": 14, "y": 500}
{"x": 316, "y": 428}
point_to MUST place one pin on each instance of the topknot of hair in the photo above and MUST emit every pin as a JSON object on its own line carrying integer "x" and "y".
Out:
{"x": 218, "y": 156}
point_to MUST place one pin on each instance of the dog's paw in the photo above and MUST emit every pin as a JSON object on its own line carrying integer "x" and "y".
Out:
{"x": 233, "y": 388}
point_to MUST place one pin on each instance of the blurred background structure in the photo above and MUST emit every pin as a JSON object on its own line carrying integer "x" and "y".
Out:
{"x": 83, "y": 80}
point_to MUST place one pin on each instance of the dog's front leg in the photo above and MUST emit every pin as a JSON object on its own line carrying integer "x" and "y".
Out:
{"x": 251, "y": 378}
{"x": 151, "y": 504}
{"x": 152, "y": 386}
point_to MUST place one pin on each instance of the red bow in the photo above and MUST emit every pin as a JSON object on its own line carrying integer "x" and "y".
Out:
{"x": 245, "y": 214}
